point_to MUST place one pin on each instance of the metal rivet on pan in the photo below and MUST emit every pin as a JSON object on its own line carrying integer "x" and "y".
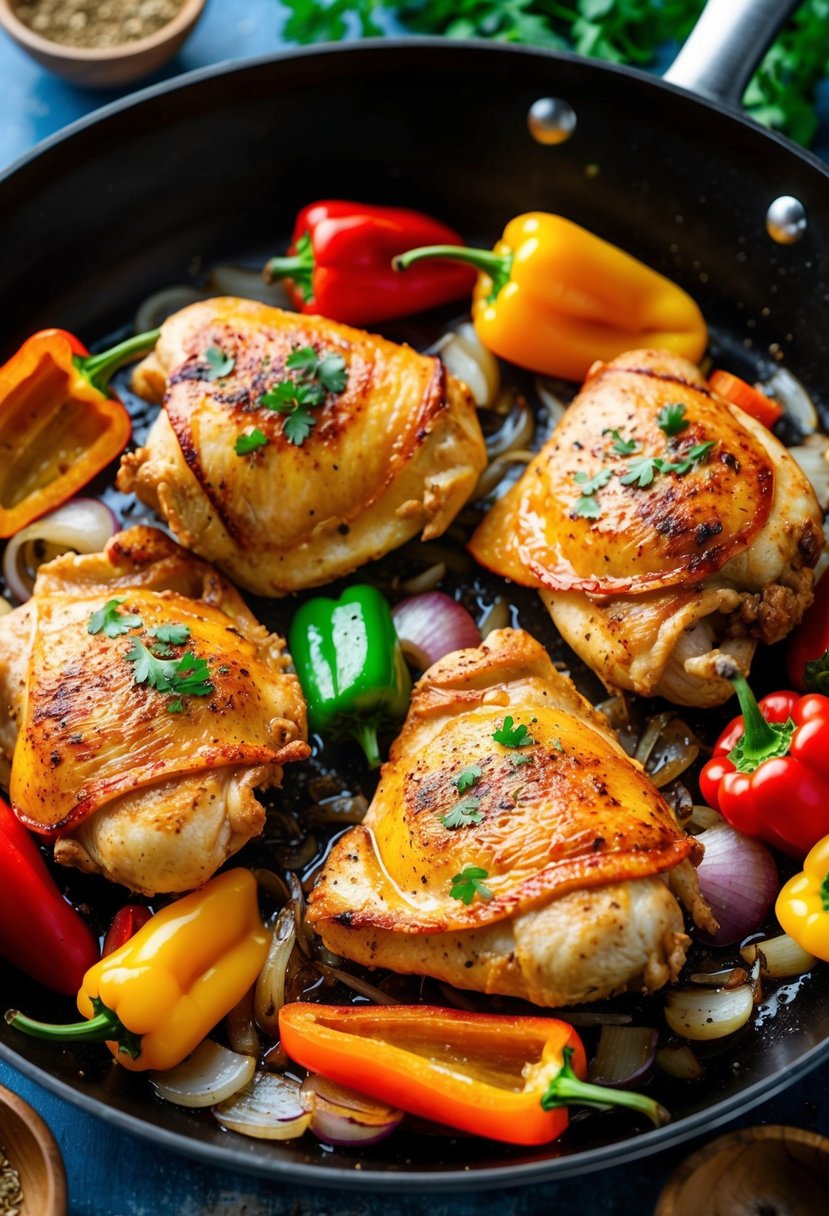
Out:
{"x": 786, "y": 220}
{"x": 551, "y": 120}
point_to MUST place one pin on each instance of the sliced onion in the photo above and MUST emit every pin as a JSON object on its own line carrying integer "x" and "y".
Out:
{"x": 812, "y": 458}
{"x": 227, "y": 280}
{"x": 738, "y": 879}
{"x": 419, "y": 584}
{"x": 787, "y": 390}
{"x": 704, "y": 817}
{"x": 496, "y": 616}
{"x": 362, "y": 987}
{"x": 268, "y": 1108}
{"x": 241, "y": 1027}
{"x": 497, "y": 469}
{"x": 708, "y": 1013}
{"x": 515, "y": 433}
{"x": 162, "y": 304}
{"x": 342, "y": 808}
{"x": 211, "y": 1074}
{"x": 779, "y": 957}
{"x": 82, "y": 525}
{"x": 678, "y": 1060}
{"x": 464, "y": 355}
{"x": 674, "y": 750}
{"x": 723, "y": 977}
{"x": 344, "y": 1118}
{"x": 624, "y": 1056}
{"x": 432, "y": 625}
{"x": 270, "y": 987}
{"x": 552, "y": 398}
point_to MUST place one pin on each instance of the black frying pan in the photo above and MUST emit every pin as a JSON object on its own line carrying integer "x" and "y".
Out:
{"x": 215, "y": 165}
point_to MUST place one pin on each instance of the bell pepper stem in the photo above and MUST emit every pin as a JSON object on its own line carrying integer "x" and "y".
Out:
{"x": 104, "y": 1026}
{"x": 366, "y": 735}
{"x": 566, "y": 1089}
{"x": 99, "y": 369}
{"x": 497, "y": 265}
{"x": 285, "y": 267}
{"x": 298, "y": 267}
{"x": 761, "y": 740}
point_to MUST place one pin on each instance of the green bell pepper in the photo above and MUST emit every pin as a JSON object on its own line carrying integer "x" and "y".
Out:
{"x": 351, "y": 667}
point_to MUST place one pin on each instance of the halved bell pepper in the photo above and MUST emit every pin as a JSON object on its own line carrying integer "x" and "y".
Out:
{"x": 155, "y": 999}
{"x": 59, "y": 425}
{"x": 351, "y": 667}
{"x": 339, "y": 263}
{"x": 40, "y": 932}
{"x": 506, "y": 1078}
{"x": 802, "y": 906}
{"x": 554, "y": 298}
{"x": 769, "y": 771}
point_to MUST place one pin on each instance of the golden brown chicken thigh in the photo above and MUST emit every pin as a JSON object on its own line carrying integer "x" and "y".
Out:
{"x": 396, "y": 453}
{"x": 151, "y": 786}
{"x": 662, "y": 525}
{"x": 575, "y": 851}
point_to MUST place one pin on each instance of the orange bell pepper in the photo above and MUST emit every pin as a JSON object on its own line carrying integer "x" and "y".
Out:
{"x": 58, "y": 424}
{"x": 506, "y": 1078}
{"x": 749, "y": 399}
{"x": 554, "y": 298}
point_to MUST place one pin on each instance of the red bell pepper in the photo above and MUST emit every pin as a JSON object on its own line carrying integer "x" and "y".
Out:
{"x": 807, "y": 654}
{"x": 339, "y": 263}
{"x": 769, "y": 772}
{"x": 59, "y": 425}
{"x": 39, "y": 931}
{"x": 125, "y": 924}
{"x": 748, "y": 398}
{"x": 503, "y": 1077}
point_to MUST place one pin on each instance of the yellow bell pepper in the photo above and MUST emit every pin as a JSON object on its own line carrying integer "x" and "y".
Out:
{"x": 158, "y": 996}
{"x": 803, "y": 903}
{"x": 554, "y": 298}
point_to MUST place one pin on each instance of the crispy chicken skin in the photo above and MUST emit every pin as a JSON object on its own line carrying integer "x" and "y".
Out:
{"x": 648, "y": 581}
{"x": 152, "y": 798}
{"x": 579, "y": 848}
{"x": 397, "y": 453}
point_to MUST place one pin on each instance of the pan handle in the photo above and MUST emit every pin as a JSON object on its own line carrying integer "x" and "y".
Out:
{"x": 726, "y": 45}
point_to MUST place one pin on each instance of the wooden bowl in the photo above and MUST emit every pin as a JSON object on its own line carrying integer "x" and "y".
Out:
{"x": 30, "y": 1147}
{"x": 102, "y": 68}
{"x": 773, "y": 1169}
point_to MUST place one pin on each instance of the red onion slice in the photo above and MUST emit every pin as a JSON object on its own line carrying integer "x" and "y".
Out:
{"x": 738, "y": 878}
{"x": 624, "y": 1057}
{"x": 346, "y": 1119}
{"x": 432, "y": 625}
{"x": 82, "y": 525}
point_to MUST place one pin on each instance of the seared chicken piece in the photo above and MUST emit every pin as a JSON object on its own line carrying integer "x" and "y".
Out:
{"x": 577, "y": 850}
{"x": 663, "y": 525}
{"x": 396, "y": 453}
{"x": 151, "y": 787}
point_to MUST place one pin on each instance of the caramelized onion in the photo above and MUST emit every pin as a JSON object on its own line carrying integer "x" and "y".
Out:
{"x": 624, "y": 1056}
{"x": 464, "y": 355}
{"x": 708, "y": 1013}
{"x": 346, "y": 1119}
{"x": 787, "y": 390}
{"x": 82, "y": 525}
{"x": 779, "y": 957}
{"x": 270, "y": 987}
{"x": 268, "y": 1108}
{"x": 211, "y": 1074}
{"x": 162, "y": 304}
{"x": 678, "y": 1060}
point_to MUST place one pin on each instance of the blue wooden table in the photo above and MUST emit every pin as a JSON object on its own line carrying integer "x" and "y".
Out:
{"x": 111, "y": 1173}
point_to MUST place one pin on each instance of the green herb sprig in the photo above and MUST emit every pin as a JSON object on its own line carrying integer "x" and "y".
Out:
{"x": 315, "y": 376}
{"x": 469, "y": 883}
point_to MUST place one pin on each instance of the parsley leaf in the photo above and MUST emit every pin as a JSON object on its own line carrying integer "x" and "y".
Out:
{"x": 698, "y": 454}
{"x": 671, "y": 420}
{"x": 589, "y": 485}
{"x": 303, "y": 359}
{"x": 519, "y": 759}
{"x": 469, "y": 883}
{"x": 332, "y": 373}
{"x": 297, "y": 426}
{"x": 192, "y": 677}
{"x": 187, "y": 676}
{"x": 589, "y": 508}
{"x": 512, "y": 736}
{"x": 641, "y": 472}
{"x": 557, "y": 744}
{"x": 219, "y": 363}
{"x": 250, "y": 442}
{"x": 112, "y": 623}
{"x": 467, "y": 778}
{"x": 176, "y": 635}
{"x": 463, "y": 814}
{"x": 621, "y": 447}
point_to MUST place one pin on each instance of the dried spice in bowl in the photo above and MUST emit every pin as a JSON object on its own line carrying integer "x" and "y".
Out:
{"x": 96, "y": 24}
{"x": 11, "y": 1191}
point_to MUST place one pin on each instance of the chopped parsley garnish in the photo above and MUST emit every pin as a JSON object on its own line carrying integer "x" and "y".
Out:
{"x": 112, "y": 623}
{"x": 520, "y": 759}
{"x": 697, "y": 454}
{"x": 176, "y": 635}
{"x": 185, "y": 676}
{"x": 589, "y": 508}
{"x": 557, "y": 744}
{"x": 589, "y": 485}
{"x": 463, "y": 814}
{"x": 469, "y": 883}
{"x": 671, "y": 419}
{"x": 467, "y": 778}
{"x": 512, "y": 736}
{"x": 641, "y": 472}
{"x": 219, "y": 363}
{"x": 620, "y": 446}
{"x": 316, "y": 375}
{"x": 250, "y": 442}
